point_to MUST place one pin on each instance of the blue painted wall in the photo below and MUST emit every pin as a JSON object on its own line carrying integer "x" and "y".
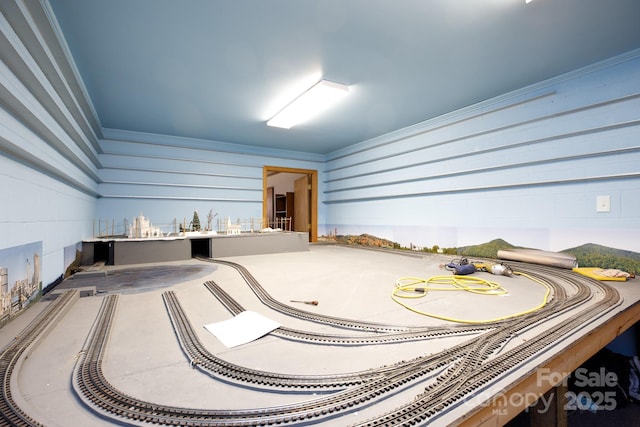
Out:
{"x": 48, "y": 145}
{"x": 167, "y": 178}
{"x": 527, "y": 167}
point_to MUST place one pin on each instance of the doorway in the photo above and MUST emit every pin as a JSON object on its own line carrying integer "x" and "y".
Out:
{"x": 200, "y": 248}
{"x": 303, "y": 197}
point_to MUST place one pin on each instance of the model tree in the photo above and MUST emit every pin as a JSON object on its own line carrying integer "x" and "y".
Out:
{"x": 210, "y": 217}
{"x": 195, "y": 223}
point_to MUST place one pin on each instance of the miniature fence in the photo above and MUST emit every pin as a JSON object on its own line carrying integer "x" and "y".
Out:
{"x": 103, "y": 228}
{"x": 282, "y": 224}
{"x": 252, "y": 225}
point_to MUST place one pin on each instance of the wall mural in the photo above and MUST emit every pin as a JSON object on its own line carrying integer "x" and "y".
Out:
{"x": 600, "y": 253}
{"x": 20, "y": 278}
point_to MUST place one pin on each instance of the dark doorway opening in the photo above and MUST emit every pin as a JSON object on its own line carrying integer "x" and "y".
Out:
{"x": 201, "y": 248}
{"x": 103, "y": 252}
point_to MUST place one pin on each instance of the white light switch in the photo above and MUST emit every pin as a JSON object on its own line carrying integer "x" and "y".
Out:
{"x": 603, "y": 204}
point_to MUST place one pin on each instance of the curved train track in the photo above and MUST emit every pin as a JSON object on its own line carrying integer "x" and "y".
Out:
{"x": 274, "y": 304}
{"x": 10, "y": 412}
{"x": 473, "y": 374}
{"x": 366, "y": 338}
{"x": 202, "y": 359}
{"x": 446, "y": 378}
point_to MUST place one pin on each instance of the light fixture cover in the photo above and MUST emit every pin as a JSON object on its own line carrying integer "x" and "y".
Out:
{"x": 314, "y": 100}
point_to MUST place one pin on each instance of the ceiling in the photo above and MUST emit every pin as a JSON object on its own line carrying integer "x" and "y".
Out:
{"x": 217, "y": 70}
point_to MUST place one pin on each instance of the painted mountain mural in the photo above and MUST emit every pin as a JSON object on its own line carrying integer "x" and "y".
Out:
{"x": 587, "y": 255}
{"x": 592, "y": 255}
{"x": 485, "y": 250}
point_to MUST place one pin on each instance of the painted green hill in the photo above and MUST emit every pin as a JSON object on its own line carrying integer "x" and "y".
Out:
{"x": 366, "y": 240}
{"x": 485, "y": 250}
{"x": 593, "y": 255}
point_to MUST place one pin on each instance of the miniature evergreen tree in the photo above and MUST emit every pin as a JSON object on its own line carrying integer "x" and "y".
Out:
{"x": 195, "y": 224}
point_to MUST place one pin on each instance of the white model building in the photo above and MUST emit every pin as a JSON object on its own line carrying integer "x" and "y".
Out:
{"x": 142, "y": 227}
{"x": 233, "y": 228}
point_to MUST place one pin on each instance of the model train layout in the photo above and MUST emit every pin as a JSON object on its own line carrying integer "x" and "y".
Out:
{"x": 438, "y": 381}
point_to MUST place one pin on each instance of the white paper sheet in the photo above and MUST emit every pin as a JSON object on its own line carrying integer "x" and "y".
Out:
{"x": 241, "y": 329}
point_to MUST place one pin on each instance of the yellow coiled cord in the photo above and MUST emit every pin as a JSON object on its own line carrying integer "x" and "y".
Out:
{"x": 413, "y": 287}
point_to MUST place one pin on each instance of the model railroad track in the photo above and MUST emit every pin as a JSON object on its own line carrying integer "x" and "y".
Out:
{"x": 452, "y": 387}
{"x": 400, "y": 332}
{"x": 95, "y": 390}
{"x": 449, "y": 376}
{"x": 203, "y": 360}
{"x": 370, "y": 338}
{"x": 276, "y": 305}
{"x": 10, "y": 413}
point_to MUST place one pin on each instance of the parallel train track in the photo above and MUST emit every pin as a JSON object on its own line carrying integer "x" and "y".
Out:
{"x": 446, "y": 378}
{"x": 368, "y": 337}
{"x": 475, "y": 373}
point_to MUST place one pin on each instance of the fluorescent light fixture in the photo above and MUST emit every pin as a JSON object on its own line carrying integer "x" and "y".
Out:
{"x": 313, "y": 101}
{"x": 528, "y": 1}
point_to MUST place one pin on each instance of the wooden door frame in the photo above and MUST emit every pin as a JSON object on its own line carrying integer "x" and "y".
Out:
{"x": 313, "y": 231}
